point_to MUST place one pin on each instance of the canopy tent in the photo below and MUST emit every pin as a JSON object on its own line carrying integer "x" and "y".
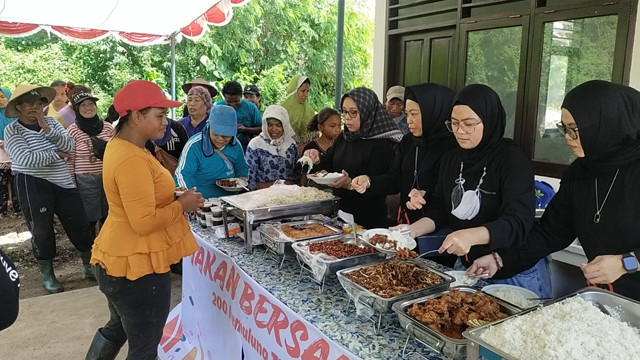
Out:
{"x": 137, "y": 22}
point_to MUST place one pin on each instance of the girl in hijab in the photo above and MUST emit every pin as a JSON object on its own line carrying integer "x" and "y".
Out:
{"x": 485, "y": 190}
{"x": 273, "y": 154}
{"x": 300, "y": 112}
{"x": 598, "y": 201}
{"x": 367, "y": 146}
{"x": 8, "y": 192}
{"x": 90, "y": 136}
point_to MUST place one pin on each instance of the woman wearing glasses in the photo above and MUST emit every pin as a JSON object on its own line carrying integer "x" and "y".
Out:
{"x": 485, "y": 190}
{"x": 415, "y": 168}
{"x": 366, "y": 146}
{"x": 598, "y": 201}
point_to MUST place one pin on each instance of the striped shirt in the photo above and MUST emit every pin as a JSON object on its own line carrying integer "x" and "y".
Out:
{"x": 34, "y": 153}
{"x": 82, "y": 160}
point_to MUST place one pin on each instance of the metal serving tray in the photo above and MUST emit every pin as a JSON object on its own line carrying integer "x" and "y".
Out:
{"x": 316, "y": 264}
{"x": 382, "y": 305}
{"x": 271, "y": 235}
{"x": 251, "y": 216}
{"x": 445, "y": 345}
{"x": 629, "y": 313}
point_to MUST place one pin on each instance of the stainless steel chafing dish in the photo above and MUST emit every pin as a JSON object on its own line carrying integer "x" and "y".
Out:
{"x": 629, "y": 311}
{"x": 272, "y": 235}
{"x": 249, "y": 216}
{"x": 322, "y": 266}
{"x": 366, "y": 297}
{"x": 445, "y": 345}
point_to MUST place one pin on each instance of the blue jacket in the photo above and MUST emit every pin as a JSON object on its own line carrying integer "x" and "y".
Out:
{"x": 200, "y": 166}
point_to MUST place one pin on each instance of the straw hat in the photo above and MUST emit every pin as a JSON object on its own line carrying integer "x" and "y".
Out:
{"x": 43, "y": 91}
{"x": 201, "y": 82}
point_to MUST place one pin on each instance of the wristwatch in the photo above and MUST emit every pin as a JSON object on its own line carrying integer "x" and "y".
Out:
{"x": 630, "y": 263}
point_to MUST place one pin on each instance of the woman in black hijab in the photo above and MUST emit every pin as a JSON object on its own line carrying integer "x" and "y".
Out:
{"x": 416, "y": 164}
{"x": 598, "y": 201}
{"x": 485, "y": 190}
{"x": 366, "y": 146}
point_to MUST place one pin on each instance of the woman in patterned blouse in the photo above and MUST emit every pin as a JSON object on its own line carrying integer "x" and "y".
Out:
{"x": 273, "y": 154}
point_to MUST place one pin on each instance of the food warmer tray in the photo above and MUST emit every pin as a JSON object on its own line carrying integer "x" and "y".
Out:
{"x": 321, "y": 267}
{"x": 445, "y": 345}
{"x": 271, "y": 235}
{"x": 251, "y": 216}
{"x": 629, "y": 310}
{"x": 382, "y": 305}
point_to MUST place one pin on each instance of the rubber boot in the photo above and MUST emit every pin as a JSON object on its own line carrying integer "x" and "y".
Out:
{"x": 102, "y": 348}
{"x": 48, "y": 277}
{"x": 88, "y": 269}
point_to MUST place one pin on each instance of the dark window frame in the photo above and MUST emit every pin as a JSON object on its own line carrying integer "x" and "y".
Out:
{"x": 532, "y": 18}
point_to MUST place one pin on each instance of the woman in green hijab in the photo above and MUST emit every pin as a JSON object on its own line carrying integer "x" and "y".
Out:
{"x": 300, "y": 112}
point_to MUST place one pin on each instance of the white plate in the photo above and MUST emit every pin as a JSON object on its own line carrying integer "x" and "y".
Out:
{"x": 239, "y": 182}
{"x": 462, "y": 279}
{"x": 404, "y": 241}
{"x": 515, "y": 295}
{"x": 330, "y": 178}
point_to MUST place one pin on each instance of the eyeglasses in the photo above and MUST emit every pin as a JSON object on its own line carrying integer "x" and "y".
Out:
{"x": 351, "y": 113}
{"x": 572, "y": 132}
{"x": 466, "y": 128}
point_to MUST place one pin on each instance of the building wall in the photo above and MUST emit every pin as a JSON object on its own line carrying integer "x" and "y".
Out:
{"x": 379, "y": 49}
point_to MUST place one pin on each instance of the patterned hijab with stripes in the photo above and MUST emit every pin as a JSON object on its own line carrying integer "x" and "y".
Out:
{"x": 375, "y": 122}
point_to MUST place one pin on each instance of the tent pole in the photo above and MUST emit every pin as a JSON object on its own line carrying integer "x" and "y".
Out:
{"x": 173, "y": 74}
{"x": 339, "y": 48}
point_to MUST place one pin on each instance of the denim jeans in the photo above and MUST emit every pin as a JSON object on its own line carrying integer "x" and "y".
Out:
{"x": 536, "y": 279}
{"x": 138, "y": 309}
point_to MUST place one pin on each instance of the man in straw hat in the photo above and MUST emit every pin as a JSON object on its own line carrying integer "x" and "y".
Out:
{"x": 38, "y": 146}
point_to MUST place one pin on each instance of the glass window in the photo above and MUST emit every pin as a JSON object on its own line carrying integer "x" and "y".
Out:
{"x": 493, "y": 59}
{"x": 574, "y": 51}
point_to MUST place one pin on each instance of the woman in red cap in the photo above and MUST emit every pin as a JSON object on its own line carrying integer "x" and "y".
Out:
{"x": 145, "y": 230}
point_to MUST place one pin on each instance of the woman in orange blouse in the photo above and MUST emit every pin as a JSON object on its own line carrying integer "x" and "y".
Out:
{"x": 145, "y": 230}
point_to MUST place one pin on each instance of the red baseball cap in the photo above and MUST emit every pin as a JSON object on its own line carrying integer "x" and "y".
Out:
{"x": 140, "y": 94}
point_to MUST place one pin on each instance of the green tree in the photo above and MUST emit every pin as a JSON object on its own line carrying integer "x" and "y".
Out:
{"x": 266, "y": 43}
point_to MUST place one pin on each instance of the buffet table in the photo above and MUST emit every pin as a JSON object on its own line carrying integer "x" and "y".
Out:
{"x": 272, "y": 314}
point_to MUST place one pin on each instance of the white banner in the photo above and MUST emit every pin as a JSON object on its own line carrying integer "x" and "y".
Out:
{"x": 224, "y": 311}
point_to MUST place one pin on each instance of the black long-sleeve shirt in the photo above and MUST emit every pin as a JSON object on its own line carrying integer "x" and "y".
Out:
{"x": 570, "y": 214}
{"x": 9, "y": 291}
{"x": 507, "y": 207}
{"x": 360, "y": 157}
{"x": 400, "y": 176}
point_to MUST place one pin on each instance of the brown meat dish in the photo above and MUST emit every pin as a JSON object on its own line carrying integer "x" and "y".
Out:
{"x": 228, "y": 183}
{"x": 405, "y": 254}
{"x": 306, "y": 231}
{"x": 338, "y": 249}
{"x": 449, "y": 314}
{"x": 383, "y": 241}
{"x": 394, "y": 278}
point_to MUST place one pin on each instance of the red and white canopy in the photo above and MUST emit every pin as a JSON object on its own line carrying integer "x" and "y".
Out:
{"x": 137, "y": 22}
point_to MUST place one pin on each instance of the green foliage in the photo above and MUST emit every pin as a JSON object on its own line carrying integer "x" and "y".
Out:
{"x": 266, "y": 43}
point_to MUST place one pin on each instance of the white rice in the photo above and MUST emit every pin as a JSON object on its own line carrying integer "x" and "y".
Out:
{"x": 571, "y": 329}
{"x": 514, "y": 297}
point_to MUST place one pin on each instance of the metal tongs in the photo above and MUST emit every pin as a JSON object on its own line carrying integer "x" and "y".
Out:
{"x": 348, "y": 218}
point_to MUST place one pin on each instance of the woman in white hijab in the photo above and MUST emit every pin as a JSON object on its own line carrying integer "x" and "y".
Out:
{"x": 273, "y": 154}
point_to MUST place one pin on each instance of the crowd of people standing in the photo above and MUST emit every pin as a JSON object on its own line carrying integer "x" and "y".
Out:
{"x": 113, "y": 184}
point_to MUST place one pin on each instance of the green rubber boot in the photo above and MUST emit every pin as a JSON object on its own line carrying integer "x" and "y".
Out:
{"x": 102, "y": 348}
{"x": 88, "y": 269}
{"x": 48, "y": 277}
